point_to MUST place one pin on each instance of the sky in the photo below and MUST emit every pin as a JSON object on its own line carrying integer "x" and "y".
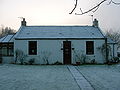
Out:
{"x": 56, "y": 12}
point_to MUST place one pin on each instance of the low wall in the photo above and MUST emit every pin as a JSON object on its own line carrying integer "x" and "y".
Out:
{"x": 7, "y": 59}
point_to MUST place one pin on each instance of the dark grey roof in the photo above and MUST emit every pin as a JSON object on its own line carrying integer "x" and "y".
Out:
{"x": 26, "y": 32}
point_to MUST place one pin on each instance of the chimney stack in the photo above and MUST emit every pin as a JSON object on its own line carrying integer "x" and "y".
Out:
{"x": 95, "y": 23}
{"x": 23, "y": 23}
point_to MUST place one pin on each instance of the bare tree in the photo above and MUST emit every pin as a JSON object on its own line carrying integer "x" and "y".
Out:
{"x": 114, "y": 35}
{"x": 94, "y": 9}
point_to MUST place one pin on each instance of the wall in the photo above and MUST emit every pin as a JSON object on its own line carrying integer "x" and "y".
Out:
{"x": 80, "y": 47}
{"x": 53, "y": 47}
{"x": 113, "y": 52}
{"x": 7, "y": 59}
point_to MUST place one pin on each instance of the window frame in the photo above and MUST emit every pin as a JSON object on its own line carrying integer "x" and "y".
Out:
{"x": 9, "y": 49}
{"x": 89, "y": 47}
{"x": 32, "y": 47}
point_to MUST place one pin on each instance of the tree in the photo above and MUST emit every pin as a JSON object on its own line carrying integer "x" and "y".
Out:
{"x": 6, "y": 30}
{"x": 114, "y": 35}
{"x": 94, "y": 9}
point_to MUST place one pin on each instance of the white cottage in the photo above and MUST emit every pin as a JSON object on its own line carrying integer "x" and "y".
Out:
{"x": 65, "y": 44}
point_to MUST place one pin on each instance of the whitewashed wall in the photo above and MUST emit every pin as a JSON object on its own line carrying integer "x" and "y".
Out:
{"x": 54, "y": 47}
{"x": 80, "y": 47}
{"x": 49, "y": 46}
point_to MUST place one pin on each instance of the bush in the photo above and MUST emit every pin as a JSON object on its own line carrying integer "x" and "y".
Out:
{"x": 19, "y": 56}
{"x": 57, "y": 63}
{"x": 114, "y": 60}
{"x": 31, "y": 61}
{"x": 93, "y": 61}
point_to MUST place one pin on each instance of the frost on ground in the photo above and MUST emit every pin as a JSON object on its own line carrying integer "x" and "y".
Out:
{"x": 52, "y": 77}
{"x": 20, "y": 77}
{"x": 102, "y": 77}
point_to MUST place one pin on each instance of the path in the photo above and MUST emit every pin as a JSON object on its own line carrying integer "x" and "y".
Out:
{"x": 81, "y": 81}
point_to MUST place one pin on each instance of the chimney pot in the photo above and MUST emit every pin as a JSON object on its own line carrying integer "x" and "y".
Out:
{"x": 23, "y": 23}
{"x": 95, "y": 23}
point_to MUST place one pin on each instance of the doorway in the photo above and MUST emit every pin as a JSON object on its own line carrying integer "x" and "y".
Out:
{"x": 67, "y": 52}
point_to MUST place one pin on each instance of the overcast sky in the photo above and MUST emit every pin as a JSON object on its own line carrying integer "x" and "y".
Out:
{"x": 56, "y": 12}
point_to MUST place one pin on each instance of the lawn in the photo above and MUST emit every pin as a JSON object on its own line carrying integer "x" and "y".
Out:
{"x": 102, "y": 77}
{"x": 57, "y": 77}
{"x": 20, "y": 77}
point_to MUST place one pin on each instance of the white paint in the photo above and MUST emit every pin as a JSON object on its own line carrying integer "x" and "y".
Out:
{"x": 54, "y": 47}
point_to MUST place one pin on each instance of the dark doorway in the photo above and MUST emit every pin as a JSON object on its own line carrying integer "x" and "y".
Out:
{"x": 67, "y": 52}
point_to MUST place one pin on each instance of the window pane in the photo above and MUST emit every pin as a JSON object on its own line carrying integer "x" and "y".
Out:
{"x": 89, "y": 47}
{"x": 7, "y": 49}
{"x": 32, "y": 47}
{"x": 4, "y": 51}
{"x": 10, "y": 52}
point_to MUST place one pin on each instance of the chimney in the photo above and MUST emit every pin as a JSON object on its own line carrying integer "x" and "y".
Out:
{"x": 95, "y": 23}
{"x": 23, "y": 23}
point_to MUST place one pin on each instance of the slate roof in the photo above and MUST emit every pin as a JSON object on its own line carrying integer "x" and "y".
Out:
{"x": 7, "y": 38}
{"x": 36, "y": 32}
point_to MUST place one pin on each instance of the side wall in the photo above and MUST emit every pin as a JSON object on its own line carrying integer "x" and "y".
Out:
{"x": 113, "y": 52}
{"x": 52, "y": 48}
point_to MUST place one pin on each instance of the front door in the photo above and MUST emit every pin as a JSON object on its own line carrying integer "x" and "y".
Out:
{"x": 67, "y": 52}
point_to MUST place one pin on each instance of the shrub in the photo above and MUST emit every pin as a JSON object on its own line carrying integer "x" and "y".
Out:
{"x": 115, "y": 59}
{"x": 93, "y": 61}
{"x": 31, "y": 61}
{"x": 19, "y": 56}
{"x": 57, "y": 63}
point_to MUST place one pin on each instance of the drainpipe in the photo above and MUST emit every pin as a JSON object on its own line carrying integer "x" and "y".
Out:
{"x": 113, "y": 50}
{"x": 1, "y": 53}
{"x": 106, "y": 50}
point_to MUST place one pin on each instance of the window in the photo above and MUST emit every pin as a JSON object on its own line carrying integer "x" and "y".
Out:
{"x": 6, "y": 49}
{"x": 10, "y": 50}
{"x": 32, "y": 47}
{"x": 89, "y": 47}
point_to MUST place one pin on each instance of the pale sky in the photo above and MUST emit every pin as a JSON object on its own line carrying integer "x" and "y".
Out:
{"x": 56, "y": 12}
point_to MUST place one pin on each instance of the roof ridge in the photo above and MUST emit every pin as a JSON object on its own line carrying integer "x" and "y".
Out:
{"x": 60, "y": 26}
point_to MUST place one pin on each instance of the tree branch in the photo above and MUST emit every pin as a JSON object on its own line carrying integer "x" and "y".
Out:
{"x": 74, "y": 7}
{"x": 115, "y": 2}
{"x": 96, "y": 7}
